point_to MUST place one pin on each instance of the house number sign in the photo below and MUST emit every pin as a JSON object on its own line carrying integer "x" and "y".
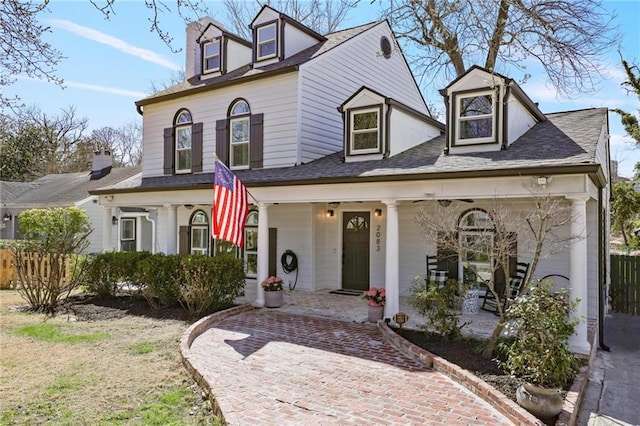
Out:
{"x": 378, "y": 237}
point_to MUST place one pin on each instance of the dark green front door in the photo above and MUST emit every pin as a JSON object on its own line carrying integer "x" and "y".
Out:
{"x": 355, "y": 250}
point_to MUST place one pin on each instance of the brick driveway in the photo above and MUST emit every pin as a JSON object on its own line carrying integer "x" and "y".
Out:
{"x": 270, "y": 368}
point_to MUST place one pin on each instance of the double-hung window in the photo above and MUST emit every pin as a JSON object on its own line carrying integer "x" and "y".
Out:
{"x": 239, "y": 138}
{"x": 211, "y": 58}
{"x": 128, "y": 234}
{"x": 476, "y": 118}
{"x": 365, "y": 131}
{"x": 183, "y": 142}
{"x": 267, "y": 41}
{"x": 199, "y": 233}
{"x": 476, "y": 231}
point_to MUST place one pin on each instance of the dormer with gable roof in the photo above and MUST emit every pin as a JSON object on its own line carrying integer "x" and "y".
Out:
{"x": 277, "y": 36}
{"x": 486, "y": 112}
{"x": 213, "y": 51}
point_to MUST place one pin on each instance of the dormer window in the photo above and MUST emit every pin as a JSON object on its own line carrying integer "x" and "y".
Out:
{"x": 267, "y": 41}
{"x": 211, "y": 56}
{"x": 364, "y": 132}
{"x": 475, "y": 118}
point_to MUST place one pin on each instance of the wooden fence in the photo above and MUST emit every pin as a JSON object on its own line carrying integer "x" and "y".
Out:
{"x": 8, "y": 275}
{"x": 625, "y": 284}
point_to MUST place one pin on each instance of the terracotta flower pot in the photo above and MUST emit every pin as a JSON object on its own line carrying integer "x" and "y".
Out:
{"x": 375, "y": 313}
{"x": 544, "y": 403}
{"x": 273, "y": 299}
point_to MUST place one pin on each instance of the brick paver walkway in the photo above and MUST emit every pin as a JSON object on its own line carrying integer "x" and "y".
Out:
{"x": 270, "y": 368}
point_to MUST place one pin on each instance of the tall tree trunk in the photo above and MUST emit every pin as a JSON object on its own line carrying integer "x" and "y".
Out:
{"x": 498, "y": 34}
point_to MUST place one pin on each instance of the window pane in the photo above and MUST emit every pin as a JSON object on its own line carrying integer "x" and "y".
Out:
{"x": 266, "y": 33}
{"x": 267, "y": 49}
{"x": 366, "y": 120}
{"x": 477, "y": 219}
{"x": 213, "y": 63}
{"x": 366, "y": 140}
{"x": 211, "y": 49}
{"x": 251, "y": 239}
{"x": 198, "y": 238}
{"x": 240, "y": 153}
{"x": 225, "y": 247}
{"x": 128, "y": 245}
{"x": 240, "y": 131}
{"x": 252, "y": 219}
{"x": 183, "y": 138}
{"x": 127, "y": 229}
{"x": 199, "y": 218}
{"x": 184, "y": 160}
{"x": 476, "y": 128}
{"x": 477, "y": 105}
{"x": 251, "y": 264}
{"x": 184, "y": 117}
{"x": 240, "y": 107}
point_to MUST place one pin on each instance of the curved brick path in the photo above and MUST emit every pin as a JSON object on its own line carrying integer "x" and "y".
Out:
{"x": 267, "y": 368}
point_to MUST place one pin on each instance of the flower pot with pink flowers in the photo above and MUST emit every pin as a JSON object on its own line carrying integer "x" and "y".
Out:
{"x": 376, "y": 299}
{"x": 272, "y": 287}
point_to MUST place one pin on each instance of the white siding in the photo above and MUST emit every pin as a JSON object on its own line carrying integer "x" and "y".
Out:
{"x": 296, "y": 40}
{"x": 331, "y": 78}
{"x": 237, "y": 55}
{"x": 592, "y": 259}
{"x": 520, "y": 120}
{"x": 95, "y": 213}
{"x": 276, "y": 97}
{"x": 407, "y": 131}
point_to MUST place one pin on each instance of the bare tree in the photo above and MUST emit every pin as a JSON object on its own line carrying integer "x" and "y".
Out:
{"x": 566, "y": 37}
{"x": 544, "y": 224}
{"x": 322, "y": 16}
{"x": 23, "y": 51}
{"x": 124, "y": 142}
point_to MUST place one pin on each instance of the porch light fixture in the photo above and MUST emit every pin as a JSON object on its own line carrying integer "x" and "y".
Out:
{"x": 334, "y": 204}
{"x": 329, "y": 213}
{"x": 109, "y": 197}
{"x": 114, "y": 220}
{"x": 543, "y": 180}
{"x": 6, "y": 217}
{"x": 444, "y": 203}
{"x": 377, "y": 212}
{"x": 188, "y": 206}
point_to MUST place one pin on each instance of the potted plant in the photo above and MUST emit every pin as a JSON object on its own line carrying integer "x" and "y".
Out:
{"x": 539, "y": 354}
{"x": 272, "y": 287}
{"x": 376, "y": 298}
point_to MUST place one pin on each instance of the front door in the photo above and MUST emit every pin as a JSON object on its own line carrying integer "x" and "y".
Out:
{"x": 355, "y": 250}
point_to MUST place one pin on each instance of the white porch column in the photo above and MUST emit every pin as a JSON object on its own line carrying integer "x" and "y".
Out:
{"x": 263, "y": 251}
{"x": 107, "y": 229}
{"x": 172, "y": 229}
{"x": 392, "y": 259}
{"x": 578, "y": 272}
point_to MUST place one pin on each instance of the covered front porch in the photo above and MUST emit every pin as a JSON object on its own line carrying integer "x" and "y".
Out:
{"x": 348, "y": 308}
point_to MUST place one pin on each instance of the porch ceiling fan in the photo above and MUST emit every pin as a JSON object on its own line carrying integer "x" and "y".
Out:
{"x": 446, "y": 202}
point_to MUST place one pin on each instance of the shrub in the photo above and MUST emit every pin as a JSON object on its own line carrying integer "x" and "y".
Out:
{"x": 109, "y": 269}
{"x": 436, "y": 304}
{"x": 209, "y": 284}
{"x": 159, "y": 277}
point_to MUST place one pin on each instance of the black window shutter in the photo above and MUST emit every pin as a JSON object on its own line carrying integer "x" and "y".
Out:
{"x": 183, "y": 240}
{"x": 169, "y": 154}
{"x": 256, "y": 139}
{"x": 222, "y": 140}
{"x": 447, "y": 257}
{"x": 273, "y": 238}
{"x": 196, "y": 147}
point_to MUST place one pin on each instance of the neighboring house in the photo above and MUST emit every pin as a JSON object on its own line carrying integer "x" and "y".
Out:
{"x": 65, "y": 190}
{"x": 338, "y": 149}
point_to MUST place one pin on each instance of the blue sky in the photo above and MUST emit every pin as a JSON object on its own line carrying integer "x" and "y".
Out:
{"x": 109, "y": 64}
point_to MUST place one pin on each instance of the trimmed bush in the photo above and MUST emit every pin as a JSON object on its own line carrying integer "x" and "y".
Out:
{"x": 159, "y": 275}
{"x": 109, "y": 269}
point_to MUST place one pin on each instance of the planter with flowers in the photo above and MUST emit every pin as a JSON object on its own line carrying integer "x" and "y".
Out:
{"x": 272, "y": 287}
{"x": 376, "y": 298}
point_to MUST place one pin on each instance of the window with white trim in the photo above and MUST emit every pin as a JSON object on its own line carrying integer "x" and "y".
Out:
{"x": 128, "y": 234}
{"x": 183, "y": 142}
{"x": 239, "y": 128}
{"x": 476, "y": 233}
{"x": 364, "y": 131}
{"x": 251, "y": 245}
{"x": 475, "y": 118}
{"x": 199, "y": 233}
{"x": 211, "y": 56}
{"x": 267, "y": 38}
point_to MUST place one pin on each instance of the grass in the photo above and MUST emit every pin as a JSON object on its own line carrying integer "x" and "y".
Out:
{"x": 120, "y": 371}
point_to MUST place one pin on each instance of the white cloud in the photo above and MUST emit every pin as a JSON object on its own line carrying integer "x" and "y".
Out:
{"x": 116, "y": 43}
{"x": 93, "y": 87}
{"x": 621, "y": 140}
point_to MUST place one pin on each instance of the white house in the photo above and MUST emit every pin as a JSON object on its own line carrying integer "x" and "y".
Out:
{"x": 338, "y": 150}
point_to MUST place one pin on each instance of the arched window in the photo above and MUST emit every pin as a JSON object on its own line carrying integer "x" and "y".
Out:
{"x": 477, "y": 231}
{"x": 239, "y": 128}
{"x": 199, "y": 232}
{"x": 183, "y": 141}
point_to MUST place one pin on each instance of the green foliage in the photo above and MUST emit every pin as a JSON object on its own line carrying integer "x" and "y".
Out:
{"x": 539, "y": 353}
{"x": 48, "y": 262}
{"x": 109, "y": 269}
{"x": 437, "y": 305}
{"x": 625, "y": 209}
{"x": 159, "y": 277}
{"x": 210, "y": 284}
{"x": 48, "y": 332}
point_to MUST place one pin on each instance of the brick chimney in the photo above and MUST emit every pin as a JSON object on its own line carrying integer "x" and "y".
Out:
{"x": 101, "y": 165}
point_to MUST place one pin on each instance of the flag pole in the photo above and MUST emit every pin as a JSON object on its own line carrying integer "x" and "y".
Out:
{"x": 215, "y": 158}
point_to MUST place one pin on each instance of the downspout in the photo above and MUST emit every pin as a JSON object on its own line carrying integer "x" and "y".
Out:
{"x": 602, "y": 273}
{"x": 153, "y": 232}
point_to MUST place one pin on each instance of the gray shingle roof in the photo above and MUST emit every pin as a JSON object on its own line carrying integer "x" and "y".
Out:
{"x": 333, "y": 40}
{"x": 565, "y": 139}
{"x": 65, "y": 189}
{"x": 9, "y": 191}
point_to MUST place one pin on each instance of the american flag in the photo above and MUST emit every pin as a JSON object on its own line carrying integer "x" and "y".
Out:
{"x": 230, "y": 207}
